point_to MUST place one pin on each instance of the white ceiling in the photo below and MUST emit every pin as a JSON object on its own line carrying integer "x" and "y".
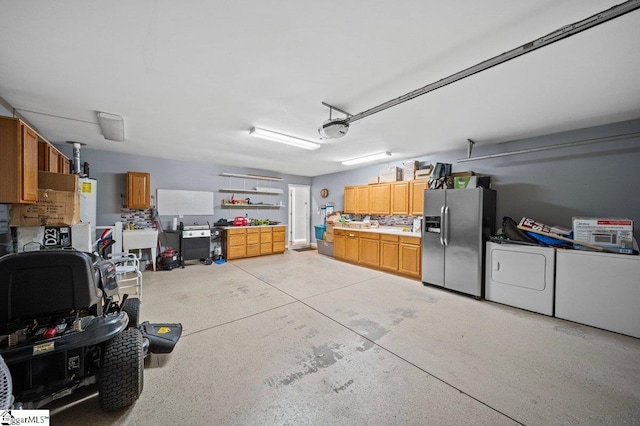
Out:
{"x": 191, "y": 78}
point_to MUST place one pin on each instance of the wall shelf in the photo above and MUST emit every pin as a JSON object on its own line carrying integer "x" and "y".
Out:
{"x": 252, "y": 191}
{"x": 249, "y": 176}
{"x": 263, "y": 206}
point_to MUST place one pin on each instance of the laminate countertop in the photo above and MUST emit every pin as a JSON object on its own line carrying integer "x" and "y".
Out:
{"x": 389, "y": 230}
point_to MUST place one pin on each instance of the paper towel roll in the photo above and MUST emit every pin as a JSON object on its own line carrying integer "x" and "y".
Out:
{"x": 174, "y": 224}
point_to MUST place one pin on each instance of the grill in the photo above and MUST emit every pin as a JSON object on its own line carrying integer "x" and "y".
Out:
{"x": 195, "y": 243}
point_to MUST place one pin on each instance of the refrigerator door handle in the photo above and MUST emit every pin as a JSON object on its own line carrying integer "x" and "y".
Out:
{"x": 441, "y": 225}
{"x": 445, "y": 226}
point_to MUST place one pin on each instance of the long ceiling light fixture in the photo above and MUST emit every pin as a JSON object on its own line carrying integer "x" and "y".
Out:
{"x": 340, "y": 127}
{"x": 367, "y": 158}
{"x": 282, "y": 138}
{"x": 112, "y": 126}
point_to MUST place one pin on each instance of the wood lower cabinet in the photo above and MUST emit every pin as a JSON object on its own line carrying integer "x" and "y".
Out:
{"x": 409, "y": 256}
{"x": 389, "y": 252}
{"x": 279, "y": 239}
{"x": 351, "y": 247}
{"x": 369, "y": 249}
{"x": 253, "y": 241}
{"x": 18, "y": 162}
{"x": 400, "y": 254}
{"x": 138, "y": 190}
{"x": 236, "y": 243}
{"x": 339, "y": 241}
{"x": 266, "y": 241}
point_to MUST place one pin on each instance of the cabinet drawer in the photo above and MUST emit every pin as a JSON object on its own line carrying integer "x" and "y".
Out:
{"x": 253, "y": 250}
{"x": 236, "y": 231}
{"x": 252, "y": 230}
{"x": 266, "y": 248}
{"x": 234, "y": 252}
{"x": 278, "y": 236}
{"x": 369, "y": 236}
{"x": 410, "y": 240}
{"x": 387, "y": 237}
{"x": 278, "y": 246}
{"x": 253, "y": 238}
{"x": 341, "y": 232}
{"x": 237, "y": 240}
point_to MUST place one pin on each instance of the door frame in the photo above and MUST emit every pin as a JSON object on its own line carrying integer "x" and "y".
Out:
{"x": 300, "y": 215}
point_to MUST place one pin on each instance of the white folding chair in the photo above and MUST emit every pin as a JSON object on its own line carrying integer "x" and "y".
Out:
{"x": 128, "y": 272}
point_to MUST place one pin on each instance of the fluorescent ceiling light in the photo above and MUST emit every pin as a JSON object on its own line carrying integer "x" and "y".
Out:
{"x": 282, "y": 138}
{"x": 367, "y": 158}
{"x": 112, "y": 126}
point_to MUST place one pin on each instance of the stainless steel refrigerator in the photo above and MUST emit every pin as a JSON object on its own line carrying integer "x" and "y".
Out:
{"x": 457, "y": 222}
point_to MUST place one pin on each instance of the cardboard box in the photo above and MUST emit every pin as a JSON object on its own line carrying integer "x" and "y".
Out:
{"x": 611, "y": 233}
{"x": 373, "y": 180}
{"x": 58, "y": 181}
{"x": 328, "y": 237}
{"x": 462, "y": 180}
{"x": 423, "y": 173}
{"x": 32, "y": 238}
{"x": 358, "y": 225}
{"x": 52, "y": 208}
{"x": 329, "y": 227}
{"x": 392, "y": 174}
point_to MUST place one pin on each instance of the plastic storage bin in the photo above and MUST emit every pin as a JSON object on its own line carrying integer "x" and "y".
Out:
{"x": 320, "y": 231}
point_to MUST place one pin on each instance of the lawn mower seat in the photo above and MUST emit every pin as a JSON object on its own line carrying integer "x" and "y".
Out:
{"x": 44, "y": 283}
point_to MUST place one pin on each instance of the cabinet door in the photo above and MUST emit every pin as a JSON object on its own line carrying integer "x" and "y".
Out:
{"x": 417, "y": 188}
{"x": 400, "y": 198}
{"x": 349, "y": 199}
{"x": 339, "y": 240}
{"x": 369, "y": 249}
{"x": 63, "y": 165}
{"x": 389, "y": 252}
{"x": 138, "y": 190}
{"x": 266, "y": 240}
{"x": 29, "y": 165}
{"x": 351, "y": 247}
{"x": 362, "y": 199}
{"x": 379, "y": 198}
{"x": 278, "y": 239}
{"x": 409, "y": 256}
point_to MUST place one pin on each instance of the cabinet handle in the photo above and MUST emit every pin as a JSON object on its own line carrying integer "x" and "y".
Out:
{"x": 497, "y": 267}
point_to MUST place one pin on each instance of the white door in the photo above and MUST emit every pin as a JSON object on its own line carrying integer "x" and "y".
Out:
{"x": 299, "y": 215}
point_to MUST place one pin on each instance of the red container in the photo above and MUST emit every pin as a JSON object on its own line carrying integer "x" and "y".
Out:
{"x": 240, "y": 221}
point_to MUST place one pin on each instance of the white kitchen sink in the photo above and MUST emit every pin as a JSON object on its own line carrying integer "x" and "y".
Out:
{"x": 139, "y": 239}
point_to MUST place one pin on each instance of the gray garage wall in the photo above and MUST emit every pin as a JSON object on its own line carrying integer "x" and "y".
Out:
{"x": 596, "y": 180}
{"x": 109, "y": 169}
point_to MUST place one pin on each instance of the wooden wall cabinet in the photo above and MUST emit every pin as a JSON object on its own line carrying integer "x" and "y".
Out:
{"x": 138, "y": 190}
{"x": 362, "y": 199}
{"x": 409, "y": 256}
{"x": 380, "y": 199}
{"x": 400, "y": 198}
{"x": 18, "y": 162}
{"x": 349, "y": 199}
{"x": 417, "y": 188}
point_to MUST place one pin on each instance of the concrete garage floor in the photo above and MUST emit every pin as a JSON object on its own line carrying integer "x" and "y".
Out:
{"x": 300, "y": 338}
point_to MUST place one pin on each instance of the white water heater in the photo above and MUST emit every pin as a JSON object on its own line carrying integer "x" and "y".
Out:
{"x": 88, "y": 202}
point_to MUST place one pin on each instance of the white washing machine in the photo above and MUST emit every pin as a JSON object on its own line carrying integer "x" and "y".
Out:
{"x": 521, "y": 276}
{"x": 599, "y": 289}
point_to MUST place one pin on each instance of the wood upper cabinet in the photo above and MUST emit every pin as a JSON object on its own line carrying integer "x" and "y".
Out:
{"x": 362, "y": 199}
{"x": 409, "y": 256}
{"x": 369, "y": 249}
{"x": 400, "y": 198}
{"x": 417, "y": 188}
{"x": 138, "y": 190}
{"x": 349, "y": 199}
{"x": 18, "y": 162}
{"x": 379, "y": 198}
{"x": 50, "y": 159}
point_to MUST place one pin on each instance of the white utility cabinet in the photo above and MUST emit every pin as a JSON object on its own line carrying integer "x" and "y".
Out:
{"x": 520, "y": 276}
{"x": 599, "y": 289}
